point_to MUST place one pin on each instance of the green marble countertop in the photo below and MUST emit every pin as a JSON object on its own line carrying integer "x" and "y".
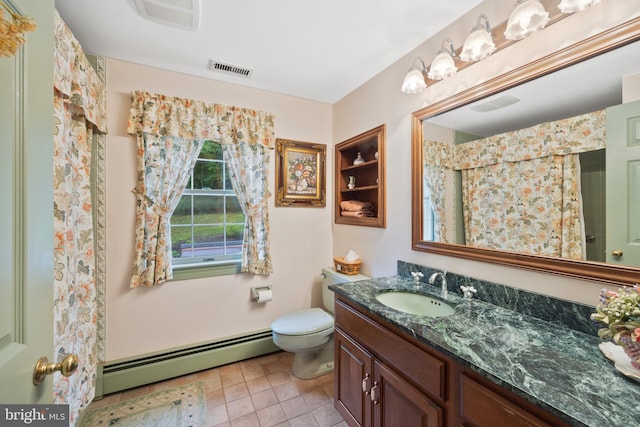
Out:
{"x": 554, "y": 367}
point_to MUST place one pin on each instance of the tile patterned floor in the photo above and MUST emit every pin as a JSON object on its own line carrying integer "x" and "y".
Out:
{"x": 258, "y": 392}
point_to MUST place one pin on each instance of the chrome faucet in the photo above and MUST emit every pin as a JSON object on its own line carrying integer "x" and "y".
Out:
{"x": 443, "y": 276}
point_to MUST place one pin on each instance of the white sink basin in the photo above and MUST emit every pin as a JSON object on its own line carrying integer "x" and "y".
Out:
{"x": 412, "y": 303}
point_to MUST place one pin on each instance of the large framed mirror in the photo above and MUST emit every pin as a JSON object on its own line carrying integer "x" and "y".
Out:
{"x": 592, "y": 57}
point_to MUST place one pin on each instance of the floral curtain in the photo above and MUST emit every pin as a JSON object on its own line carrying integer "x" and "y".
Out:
{"x": 437, "y": 159}
{"x": 79, "y": 111}
{"x": 573, "y": 135}
{"x": 538, "y": 208}
{"x": 163, "y": 173}
{"x": 160, "y": 117}
{"x": 247, "y": 164}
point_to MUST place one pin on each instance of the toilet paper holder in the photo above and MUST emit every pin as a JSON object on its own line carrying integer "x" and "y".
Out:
{"x": 255, "y": 291}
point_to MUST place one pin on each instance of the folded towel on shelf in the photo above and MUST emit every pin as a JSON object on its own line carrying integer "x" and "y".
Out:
{"x": 358, "y": 214}
{"x": 355, "y": 205}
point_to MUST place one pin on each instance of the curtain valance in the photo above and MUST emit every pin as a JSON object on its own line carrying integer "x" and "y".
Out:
{"x": 162, "y": 115}
{"x": 436, "y": 153}
{"x": 75, "y": 78}
{"x": 573, "y": 135}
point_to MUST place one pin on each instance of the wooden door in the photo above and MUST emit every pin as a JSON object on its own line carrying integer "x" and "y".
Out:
{"x": 26, "y": 210}
{"x": 623, "y": 184}
{"x": 353, "y": 381}
{"x": 398, "y": 403}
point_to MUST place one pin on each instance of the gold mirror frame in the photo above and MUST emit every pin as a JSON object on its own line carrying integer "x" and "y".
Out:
{"x": 615, "y": 37}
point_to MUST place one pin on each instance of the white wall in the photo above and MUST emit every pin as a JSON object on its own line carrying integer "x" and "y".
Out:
{"x": 174, "y": 314}
{"x": 381, "y": 101}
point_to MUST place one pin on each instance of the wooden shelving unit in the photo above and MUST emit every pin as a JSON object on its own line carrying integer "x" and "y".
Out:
{"x": 369, "y": 176}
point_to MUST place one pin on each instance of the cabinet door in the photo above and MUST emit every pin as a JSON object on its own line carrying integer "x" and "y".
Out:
{"x": 398, "y": 403}
{"x": 353, "y": 380}
{"x": 481, "y": 407}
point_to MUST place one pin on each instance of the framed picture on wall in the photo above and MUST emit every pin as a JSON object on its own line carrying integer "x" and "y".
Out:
{"x": 300, "y": 173}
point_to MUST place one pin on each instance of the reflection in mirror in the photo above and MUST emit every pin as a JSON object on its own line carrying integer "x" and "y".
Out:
{"x": 521, "y": 191}
{"x": 482, "y": 172}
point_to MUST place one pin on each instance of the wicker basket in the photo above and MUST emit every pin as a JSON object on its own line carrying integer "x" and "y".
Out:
{"x": 347, "y": 267}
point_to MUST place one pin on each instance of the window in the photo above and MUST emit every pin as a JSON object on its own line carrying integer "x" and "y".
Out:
{"x": 429, "y": 219}
{"x": 207, "y": 226}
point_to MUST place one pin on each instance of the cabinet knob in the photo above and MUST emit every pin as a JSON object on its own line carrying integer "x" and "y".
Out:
{"x": 374, "y": 389}
{"x": 616, "y": 253}
{"x": 365, "y": 384}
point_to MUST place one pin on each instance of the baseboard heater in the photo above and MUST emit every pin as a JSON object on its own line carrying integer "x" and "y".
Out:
{"x": 127, "y": 374}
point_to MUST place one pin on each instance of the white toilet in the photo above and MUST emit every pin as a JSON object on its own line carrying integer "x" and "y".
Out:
{"x": 309, "y": 333}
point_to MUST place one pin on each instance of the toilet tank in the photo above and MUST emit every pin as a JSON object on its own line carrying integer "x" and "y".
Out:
{"x": 331, "y": 276}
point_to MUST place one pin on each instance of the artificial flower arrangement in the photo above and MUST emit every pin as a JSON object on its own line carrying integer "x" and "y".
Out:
{"x": 620, "y": 311}
{"x": 12, "y": 29}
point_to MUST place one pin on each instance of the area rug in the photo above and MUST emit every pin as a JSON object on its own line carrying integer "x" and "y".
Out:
{"x": 182, "y": 406}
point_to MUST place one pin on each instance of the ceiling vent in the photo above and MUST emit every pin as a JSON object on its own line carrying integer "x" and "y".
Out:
{"x": 495, "y": 104}
{"x": 229, "y": 68}
{"x": 183, "y": 14}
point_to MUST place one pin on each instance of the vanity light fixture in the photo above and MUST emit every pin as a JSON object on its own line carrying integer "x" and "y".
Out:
{"x": 443, "y": 65}
{"x": 479, "y": 43}
{"x": 527, "y": 17}
{"x": 414, "y": 81}
{"x": 571, "y": 6}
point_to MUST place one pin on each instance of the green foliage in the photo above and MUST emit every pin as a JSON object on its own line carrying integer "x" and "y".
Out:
{"x": 208, "y": 210}
{"x": 209, "y": 170}
{"x": 211, "y": 150}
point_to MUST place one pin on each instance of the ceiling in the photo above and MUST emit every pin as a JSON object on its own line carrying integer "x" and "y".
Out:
{"x": 320, "y": 51}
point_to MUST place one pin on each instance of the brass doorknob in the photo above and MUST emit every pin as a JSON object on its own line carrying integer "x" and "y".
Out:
{"x": 616, "y": 253}
{"x": 43, "y": 368}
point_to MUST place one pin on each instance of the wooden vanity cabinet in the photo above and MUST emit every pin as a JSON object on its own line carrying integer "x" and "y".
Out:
{"x": 384, "y": 377}
{"x": 369, "y": 393}
{"x": 368, "y": 390}
{"x": 367, "y": 177}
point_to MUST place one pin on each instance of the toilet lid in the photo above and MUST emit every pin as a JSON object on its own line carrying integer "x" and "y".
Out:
{"x": 303, "y": 322}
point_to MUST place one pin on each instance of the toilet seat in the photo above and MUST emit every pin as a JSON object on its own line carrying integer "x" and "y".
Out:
{"x": 309, "y": 333}
{"x": 303, "y": 322}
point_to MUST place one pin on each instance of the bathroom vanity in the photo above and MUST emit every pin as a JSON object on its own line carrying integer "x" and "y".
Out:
{"x": 484, "y": 365}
